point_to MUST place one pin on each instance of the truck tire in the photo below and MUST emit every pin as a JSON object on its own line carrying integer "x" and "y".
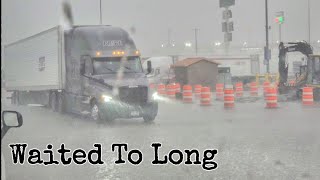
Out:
{"x": 95, "y": 114}
{"x": 151, "y": 112}
{"x": 61, "y": 103}
{"x": 149, "y": 118}
{"x": 53, "y": 101}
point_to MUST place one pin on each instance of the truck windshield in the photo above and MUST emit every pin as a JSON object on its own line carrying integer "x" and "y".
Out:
{"x": 109, "y": 65}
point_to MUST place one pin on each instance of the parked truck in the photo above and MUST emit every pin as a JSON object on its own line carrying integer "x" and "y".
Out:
{"x": 88, "y": 70}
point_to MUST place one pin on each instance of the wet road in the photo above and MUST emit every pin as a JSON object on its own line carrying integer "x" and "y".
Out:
{"x": 252, "y": 142}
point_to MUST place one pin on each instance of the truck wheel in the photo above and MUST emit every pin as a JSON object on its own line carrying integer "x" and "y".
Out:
{"x": 151, "y": 112}
{"x": 149, "y": 118}
{"x": 53, "y": 101}
{"x": 95, "y": 113}
{"x": 61, "y": 103}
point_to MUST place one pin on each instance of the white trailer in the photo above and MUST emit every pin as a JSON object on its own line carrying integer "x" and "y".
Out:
{"x": 35, "y": 63}
{"x": 76, "y": 71}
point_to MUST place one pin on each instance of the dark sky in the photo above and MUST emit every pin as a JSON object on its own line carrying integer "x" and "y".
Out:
{"x": 153, "y": 18}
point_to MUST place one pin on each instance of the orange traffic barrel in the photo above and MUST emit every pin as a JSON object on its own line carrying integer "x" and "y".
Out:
{"x": 178, "y": 87}
{"x": 219, "y": 91}
{"x": 307, "y": 96}
{"x": 171, "y": 91}
{"x": 228, "y": 98}
{"x": 239, "y": 89}
{"x": 161, "y": 89}
{"x": 205, "y": 97}
{"x": 266, "y": 85}
{"x": 187, "y": 94}
{"x": 254, "y": 91}
{"x": 271, "y": 97}
{"x": 197, "y": 90}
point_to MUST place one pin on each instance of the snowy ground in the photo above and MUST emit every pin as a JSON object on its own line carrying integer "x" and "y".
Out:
{"x": 252, "y": 142}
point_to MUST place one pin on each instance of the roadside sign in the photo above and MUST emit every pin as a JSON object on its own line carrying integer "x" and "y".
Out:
{"x": 227, "y": 14}
{"x": 227, "y": 37}
{"x": 230, "y": 26}
{"x": 224, "y": 27}
{"x": 227, "y": 27}
{"x": 226, "y": 3}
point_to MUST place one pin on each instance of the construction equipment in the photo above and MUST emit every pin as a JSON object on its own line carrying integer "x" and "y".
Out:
{"x": 309, "y": 74}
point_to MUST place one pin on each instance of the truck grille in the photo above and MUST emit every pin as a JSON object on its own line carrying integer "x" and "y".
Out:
{"x": 133, "y": 95}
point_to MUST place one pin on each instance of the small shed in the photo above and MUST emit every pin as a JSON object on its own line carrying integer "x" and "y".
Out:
{"x": 194, "y": 71}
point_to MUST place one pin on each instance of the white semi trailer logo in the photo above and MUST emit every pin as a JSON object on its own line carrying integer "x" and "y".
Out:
{"x": 42, "y": 63}
{"x": 112, "y": 43}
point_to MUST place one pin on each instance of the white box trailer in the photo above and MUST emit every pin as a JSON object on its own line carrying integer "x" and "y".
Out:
{"x": 76, "y": 70}
{"x": 35, "y": 63}
{"x": 240, "y": 66}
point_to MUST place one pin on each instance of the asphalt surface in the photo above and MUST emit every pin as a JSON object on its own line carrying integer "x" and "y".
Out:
{"x": 252, "y": 142}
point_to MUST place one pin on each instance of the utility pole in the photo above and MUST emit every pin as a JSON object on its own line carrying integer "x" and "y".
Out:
{"x": 169, "y": 37}
{"x": 309, "y": 23}
{"x": 100, "y": 13}
{"x": 196, "y": 30}
{"x": 267, "y": 51}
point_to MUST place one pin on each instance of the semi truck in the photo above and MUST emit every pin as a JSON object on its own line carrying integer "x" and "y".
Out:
{"x": 88, "y": 70}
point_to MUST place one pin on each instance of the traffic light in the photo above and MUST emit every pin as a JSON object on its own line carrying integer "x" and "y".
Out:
{"x": 280, "y": 17}
{"x": 280, "y": 20}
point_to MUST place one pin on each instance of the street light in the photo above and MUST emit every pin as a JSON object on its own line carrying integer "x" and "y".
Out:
{"x": 217, "y": 43}
{"x": 187, "y": 44}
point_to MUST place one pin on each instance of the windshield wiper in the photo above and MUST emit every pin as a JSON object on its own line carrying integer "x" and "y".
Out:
{"x": 129, "y": 69}
{"x": 108, "y": 69}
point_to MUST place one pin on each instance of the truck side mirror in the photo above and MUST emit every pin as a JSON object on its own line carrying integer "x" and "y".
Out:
{"x": 11, "y": 119}
{"x": 149, "y": 67}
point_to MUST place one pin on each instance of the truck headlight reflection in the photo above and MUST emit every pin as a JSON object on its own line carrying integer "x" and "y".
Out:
{"x": 156, "y": 96}
{"x": 106, "y": 98}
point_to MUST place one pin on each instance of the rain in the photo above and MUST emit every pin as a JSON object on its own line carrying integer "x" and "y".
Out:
{"x": 207, "y": 89}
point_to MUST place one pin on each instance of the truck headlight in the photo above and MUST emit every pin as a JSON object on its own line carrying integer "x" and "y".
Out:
{"x": 106, "y": 98}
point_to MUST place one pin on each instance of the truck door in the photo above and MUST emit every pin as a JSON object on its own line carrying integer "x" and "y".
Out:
{"x": 88, "y": 87}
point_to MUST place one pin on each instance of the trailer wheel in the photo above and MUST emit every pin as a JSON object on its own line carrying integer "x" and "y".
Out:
{"x": 53, "y": 101}
{"x": 61, "y": 103}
